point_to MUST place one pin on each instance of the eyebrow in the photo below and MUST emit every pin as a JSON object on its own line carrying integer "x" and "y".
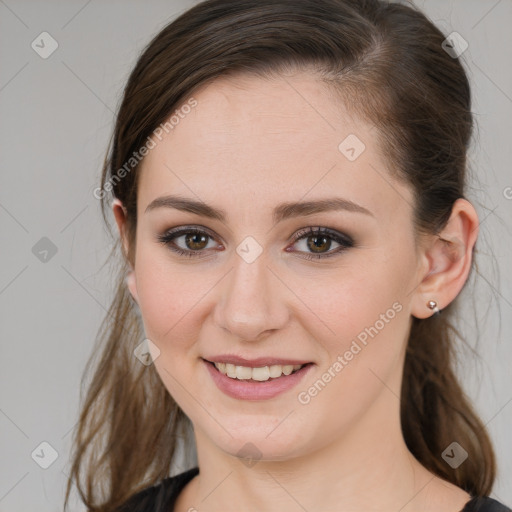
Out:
{"x": 281, "y": 212}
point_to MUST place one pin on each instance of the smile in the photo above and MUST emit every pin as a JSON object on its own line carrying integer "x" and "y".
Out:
{"x": 255, "y": 383}
{"x": 260, "y": 374}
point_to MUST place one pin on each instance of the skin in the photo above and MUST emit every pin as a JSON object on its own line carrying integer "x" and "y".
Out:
{"x": 249, "y": 145}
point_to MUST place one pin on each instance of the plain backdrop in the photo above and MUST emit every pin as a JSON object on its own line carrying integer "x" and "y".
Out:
{"x": 56, "y": 117}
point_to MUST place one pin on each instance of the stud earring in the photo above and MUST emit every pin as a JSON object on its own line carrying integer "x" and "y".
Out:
{"x": 432, "y": 304}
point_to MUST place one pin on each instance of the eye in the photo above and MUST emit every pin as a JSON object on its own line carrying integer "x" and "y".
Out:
{"x": 319, "y": 240}
{"x": 193, "y": 241}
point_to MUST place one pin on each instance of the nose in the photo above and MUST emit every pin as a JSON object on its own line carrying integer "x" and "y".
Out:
{"x": 252, "y": 300}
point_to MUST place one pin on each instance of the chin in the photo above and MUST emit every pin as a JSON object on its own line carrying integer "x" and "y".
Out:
{"x": 262, "y": 443}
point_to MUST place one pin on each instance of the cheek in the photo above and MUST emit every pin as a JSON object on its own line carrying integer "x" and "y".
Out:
{"x": 343, "y": 302}
{"x": 168, "y": 297}
{"x": 170, "y": 304}
{"x": 361, "y": 319}
{"x": 362, "y": 358}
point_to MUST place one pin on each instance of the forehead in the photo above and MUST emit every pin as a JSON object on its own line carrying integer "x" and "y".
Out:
{"x": 255, "y": 141}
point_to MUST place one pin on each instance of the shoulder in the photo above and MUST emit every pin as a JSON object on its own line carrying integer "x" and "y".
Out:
{"x": 485, "y": 504}
{"x": 159, "y": 497}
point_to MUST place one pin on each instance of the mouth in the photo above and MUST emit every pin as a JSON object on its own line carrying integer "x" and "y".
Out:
{"x": 255, "y": 382}
{"x": 256, "y": 373}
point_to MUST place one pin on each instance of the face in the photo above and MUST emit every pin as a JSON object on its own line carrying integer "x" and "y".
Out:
{"x": 298, "y": 285}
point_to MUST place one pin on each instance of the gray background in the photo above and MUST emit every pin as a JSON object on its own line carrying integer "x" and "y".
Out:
{"x": 56, "y": 117}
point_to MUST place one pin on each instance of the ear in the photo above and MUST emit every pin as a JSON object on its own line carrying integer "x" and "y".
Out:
{"x": 447, "y": 260}
{"x": 120, "y": 213}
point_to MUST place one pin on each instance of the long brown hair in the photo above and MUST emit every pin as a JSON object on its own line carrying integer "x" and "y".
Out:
{"x": 387, "y": 63}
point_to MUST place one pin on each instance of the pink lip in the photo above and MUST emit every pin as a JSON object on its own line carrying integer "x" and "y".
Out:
{"x": 252, "y": 390}
{"x": 253, "y": 363}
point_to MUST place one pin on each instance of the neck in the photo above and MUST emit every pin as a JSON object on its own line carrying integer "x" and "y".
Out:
{"x": 367, "y": 468}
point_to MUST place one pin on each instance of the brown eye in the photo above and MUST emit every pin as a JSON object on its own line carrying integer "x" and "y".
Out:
{"x": 187, "y": 241}
{"x": 318, "y": 243}
{"x": 195, "y": 241}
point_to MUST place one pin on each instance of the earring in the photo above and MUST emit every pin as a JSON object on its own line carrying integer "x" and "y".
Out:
{"x": 432, "y": 304}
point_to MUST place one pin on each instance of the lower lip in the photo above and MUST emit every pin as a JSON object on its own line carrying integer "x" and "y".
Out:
{"x": 254, "y": 390}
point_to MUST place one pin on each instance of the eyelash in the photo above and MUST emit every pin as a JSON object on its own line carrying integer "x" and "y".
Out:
{"x": 344, "y": 240}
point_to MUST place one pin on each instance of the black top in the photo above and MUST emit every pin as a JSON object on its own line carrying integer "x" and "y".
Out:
{"x": 162, "y": 497}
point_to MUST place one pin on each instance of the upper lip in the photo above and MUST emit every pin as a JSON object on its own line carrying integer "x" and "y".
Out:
{"x": 254, "y": 363}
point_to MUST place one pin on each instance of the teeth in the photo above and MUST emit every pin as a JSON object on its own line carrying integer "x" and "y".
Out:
{"x": 275, "y": 370}
{"x": 243, "y": 373}
{"x": 260, "y": 374}
{"x": 231, "y": 370}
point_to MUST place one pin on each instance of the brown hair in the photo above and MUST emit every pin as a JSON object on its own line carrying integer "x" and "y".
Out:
{"x": 387, "y": 63}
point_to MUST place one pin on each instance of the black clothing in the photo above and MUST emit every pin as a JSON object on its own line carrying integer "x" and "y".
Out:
{"x": 162, "y": 497}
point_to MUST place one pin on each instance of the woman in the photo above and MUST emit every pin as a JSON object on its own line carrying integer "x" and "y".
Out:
{"x": 287, "y": 179}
